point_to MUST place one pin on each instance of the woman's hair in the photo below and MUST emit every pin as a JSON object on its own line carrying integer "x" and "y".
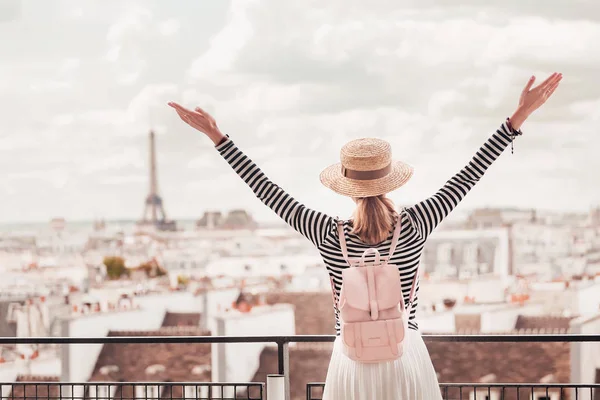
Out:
{"x": 374, "y": 218}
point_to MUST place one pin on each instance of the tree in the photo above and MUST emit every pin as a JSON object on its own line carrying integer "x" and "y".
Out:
{"x": 183, "y": 280}
{"x": 152, "y": 269}
{"x": 115, "y": 267}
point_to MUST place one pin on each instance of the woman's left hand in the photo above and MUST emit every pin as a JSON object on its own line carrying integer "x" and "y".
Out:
{"x": 533, "y": 98}
{"x": 199, "y": 120}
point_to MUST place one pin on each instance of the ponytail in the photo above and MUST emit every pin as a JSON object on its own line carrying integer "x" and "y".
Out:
{"x": 374, "y": 218}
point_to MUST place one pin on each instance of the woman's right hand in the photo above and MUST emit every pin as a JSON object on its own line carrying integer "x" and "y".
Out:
{"x": 532, "y": 99}
{"x": 199, "y": 120}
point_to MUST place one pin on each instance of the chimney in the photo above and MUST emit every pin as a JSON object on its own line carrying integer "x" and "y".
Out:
{"x": 204, "y": 313}
{"x": 449, "y": 303}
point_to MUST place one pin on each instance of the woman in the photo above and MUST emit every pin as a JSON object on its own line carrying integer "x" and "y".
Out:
{"x": 366, "y": 174}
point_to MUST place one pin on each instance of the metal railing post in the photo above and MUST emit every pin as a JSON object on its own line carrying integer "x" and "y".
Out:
{"x": 276, "y": 389}
{"x": 283, "y": 358}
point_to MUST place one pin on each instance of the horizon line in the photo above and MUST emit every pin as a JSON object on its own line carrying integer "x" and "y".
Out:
{"x": 274, "y": 218}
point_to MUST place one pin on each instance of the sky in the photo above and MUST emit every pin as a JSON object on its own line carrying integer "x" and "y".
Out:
{"x": 83, "y": 81}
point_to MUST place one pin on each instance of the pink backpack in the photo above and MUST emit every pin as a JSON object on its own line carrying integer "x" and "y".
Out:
{"x": 373, "y": 317}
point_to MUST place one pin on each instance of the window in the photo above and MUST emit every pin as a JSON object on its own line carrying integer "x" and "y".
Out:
{"x": 13, "y": 310}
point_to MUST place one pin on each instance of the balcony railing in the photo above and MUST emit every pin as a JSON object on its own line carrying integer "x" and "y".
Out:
{"x": 254, "y": 390}
{"x": 131, "y": 391}
{"x": 500, "y": 391}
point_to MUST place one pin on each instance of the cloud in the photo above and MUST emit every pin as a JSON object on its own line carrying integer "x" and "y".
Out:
{"x": 204, "y": 162}
{"x": 169, "y": 27}
{"x": 76, "y": 13}
{"x": 9, "y": 10}
{"x": 56, "y": 177}
{"x": 105, "y": 116}
{"x": 123, "y": 179}
{"x": 63, "y": 119}
{"x": 131, "y": 22}
{"x": 440, "y": 101}
{"x": 16, "y": 142}
{"x": 291, "y": 82}
{"x": 50, "y": 85}
{"x": 149, "y": 100}
{"x": 352, "y": 55}
{"x": 70, "y": 65}
{"x": 129, "y": 78}
{"x": 112, "y": 55}
{"x": 587, "y": 109}
{"x": 121, "y": 159}
{"x": 224, "y": 46}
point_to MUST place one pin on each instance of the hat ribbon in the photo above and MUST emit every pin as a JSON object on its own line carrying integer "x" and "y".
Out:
{"x": 366, "y": 175}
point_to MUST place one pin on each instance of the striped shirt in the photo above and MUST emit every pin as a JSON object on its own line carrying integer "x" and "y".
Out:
{"x": 418, "y": 221}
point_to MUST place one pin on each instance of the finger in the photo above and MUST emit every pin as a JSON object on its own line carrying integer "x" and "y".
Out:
{"x": 529, "y": 84}
{"x": 548, "y": 81}
{"x": 184, "y": 117}
{"x": 201, "y": 111}
{"x": 554, "y": 80}
{"x": 552, "y": 84}
{"x": 174, "y": 105}
{"x": 192, "y": 120}
{"x": 207, "y": 115}
{"x": 552, "y": 89}
{"x": 180, "y": 108}
{"x": 181, "y": 113}
{"x": 177, "y": 107}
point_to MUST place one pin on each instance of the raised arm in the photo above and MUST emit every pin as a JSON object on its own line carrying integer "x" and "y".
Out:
{"x": 429, "y": 213}
{"x": 311, "y": 224}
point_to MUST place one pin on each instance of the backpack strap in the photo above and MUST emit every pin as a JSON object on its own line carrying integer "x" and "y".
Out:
{"x": 396, "y": 236}
{"x": 413, "y": 288}
{"x": 336, "y": 300}
{"x": 343, "y": 241}
{"x": 344, "y": 249}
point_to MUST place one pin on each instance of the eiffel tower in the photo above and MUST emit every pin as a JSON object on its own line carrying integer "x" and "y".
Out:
{"x": 154, "y": 212}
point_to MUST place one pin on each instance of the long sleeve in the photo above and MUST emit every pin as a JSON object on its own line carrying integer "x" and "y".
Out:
{"x": 309, "y": 223}
{"x": 429, "y": 213}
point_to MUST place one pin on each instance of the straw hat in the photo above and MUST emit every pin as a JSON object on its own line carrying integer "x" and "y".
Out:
{"x": 366, "y": 170}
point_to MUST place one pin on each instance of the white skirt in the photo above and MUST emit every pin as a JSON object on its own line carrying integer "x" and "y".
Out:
{"x": 412, "y": 377}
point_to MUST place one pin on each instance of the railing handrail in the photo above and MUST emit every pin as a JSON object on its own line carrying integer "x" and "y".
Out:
{"x": 483, "y": 338}
{"x": 131, "y": 383}
{"x": 524, "y": 385}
